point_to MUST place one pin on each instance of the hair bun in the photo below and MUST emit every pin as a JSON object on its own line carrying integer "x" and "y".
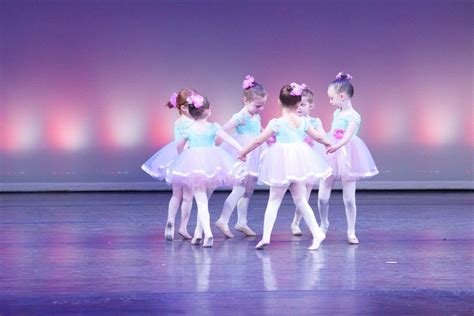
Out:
{"x": 344, "y": 76}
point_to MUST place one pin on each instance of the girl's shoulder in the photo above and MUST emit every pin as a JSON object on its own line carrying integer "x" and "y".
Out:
{"x": 183, "y": 120}
{"x": 240, "y": 116}
{"x": 353, "y": 115}
{"x": 275, "y": 123}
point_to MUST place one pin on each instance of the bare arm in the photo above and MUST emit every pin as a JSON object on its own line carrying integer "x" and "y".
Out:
{"x": 347, "y": 136}
{"x": 229, "y": 126}
{"x": 317, "y": 136}
{"x": 259, "y": 140}
{"x": 228, "y": 139}
{"x": 180, "y": 145}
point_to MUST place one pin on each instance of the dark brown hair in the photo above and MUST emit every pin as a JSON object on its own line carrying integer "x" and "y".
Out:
{"x": 343, "y": 84}
{"x": 197, "y": 113}
{"x": 288, "y": 100}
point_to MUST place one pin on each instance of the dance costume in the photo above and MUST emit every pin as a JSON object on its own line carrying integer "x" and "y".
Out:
{"x": 352, "y": 161}
{"x": 247, "y": 128}
{"x": 204, "y": 163}
{"x": 157, "y": 165}
{"x": 290, "y": 159}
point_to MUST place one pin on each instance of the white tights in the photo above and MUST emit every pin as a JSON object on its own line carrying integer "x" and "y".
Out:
{"x": 325, "y": 189}
{"x": 203, "y": 222}
{"x": 240, "y": 197}
{"x": 183, "y": 195}
{"x": 299, "y": 195}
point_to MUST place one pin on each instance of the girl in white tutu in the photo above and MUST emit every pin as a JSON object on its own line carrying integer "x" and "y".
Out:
{"x": 349, "y": 157}
{"x": 289, "y": 163}
{"x": 204, "y": 166}
{"x": 247, "y": 126}
{"x": 157, "y": 167}
{"x": 304, "y": 109}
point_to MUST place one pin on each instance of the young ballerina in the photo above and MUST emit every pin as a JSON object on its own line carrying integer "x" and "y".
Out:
{"x": 204, "y": 166}
{"x": 157, "y": 167}
{"x": 289, "y": 163}
{"x": 304, "y": 109}
{"x": 247, "y": 126}
{"x": 349, "y": 157}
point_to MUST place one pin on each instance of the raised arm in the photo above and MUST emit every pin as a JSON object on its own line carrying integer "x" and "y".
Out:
{"x": 351, "y": 128}
{"x": 259, "y": 140}
{"x": 228, "y": 139}
{"x": 317, "y": 136}
{"x": 229, "y": 126}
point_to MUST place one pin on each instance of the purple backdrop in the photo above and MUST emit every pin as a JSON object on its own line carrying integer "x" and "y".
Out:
{"x": 83, "y": 83}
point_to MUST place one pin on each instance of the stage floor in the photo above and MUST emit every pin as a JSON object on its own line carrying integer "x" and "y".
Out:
{"x": 105, "y": 253}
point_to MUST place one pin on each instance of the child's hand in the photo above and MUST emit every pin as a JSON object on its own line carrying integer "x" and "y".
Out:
{"x": 331, "y": 149}
{"x": 242, "y": 157}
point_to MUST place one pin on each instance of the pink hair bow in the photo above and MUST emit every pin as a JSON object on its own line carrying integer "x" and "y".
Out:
{"x": 348, "y": 76}
{"x": 297, "y": 89}
{"x": 196, "y": 100}
{"x": 249, "y": 82}
{"x": 173, "y": 99}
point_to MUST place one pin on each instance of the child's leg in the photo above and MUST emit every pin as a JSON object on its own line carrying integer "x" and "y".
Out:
{"x": 228, "y": 208}
{"x": 172, "y": 210}
{"x": 201, "y": 197}
{"x": 186, "y": 206}
{"x": 274, "y": 202}
{"x": 348, "y": 193}
{"x": 295, "y": 225}
{"x": 243, "y": 206}
{"x": 298, "y": 192}
{"x": 324, "y": 193}
{"x": 198, "y": 230}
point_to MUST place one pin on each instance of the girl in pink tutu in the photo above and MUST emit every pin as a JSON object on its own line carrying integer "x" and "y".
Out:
{"x": 157, "y": 167}
{"x": 304, "y": 109}
{"x": 247, "y": 126}
{"x": 204, "y": 166}
{"x": 289, "y": 163}
{"x": 349, "y": 157}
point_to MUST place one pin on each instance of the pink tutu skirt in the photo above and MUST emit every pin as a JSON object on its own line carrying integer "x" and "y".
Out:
{"x": 210, "y": 167}
{"x": 353, "y": 161}
{"x": 157, "y": 165}
{"x": 253, "y": 158}
{"x": 284, "y": 163}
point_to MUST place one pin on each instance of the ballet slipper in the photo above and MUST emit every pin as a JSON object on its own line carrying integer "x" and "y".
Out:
{"x": 317, "y": 241}
{"x": 169, "y": 231}
{"x": 352, "y": 239}
{"x": 262, "y": 244}
{"x": 208, "y": 242}
{"x": 224, "y": 229}
{"x": 184, "y": 234}
{"x": 295, "y": 230}
{"x": 245, "y": 230}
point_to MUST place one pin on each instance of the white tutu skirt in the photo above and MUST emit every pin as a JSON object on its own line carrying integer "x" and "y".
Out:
{"x": 353, "y": 161}
{"x": 209, "y": 167}
{"x": 253, "y": 158}
{"x": 157, "y": 165}
{"x": 284, "y": 163}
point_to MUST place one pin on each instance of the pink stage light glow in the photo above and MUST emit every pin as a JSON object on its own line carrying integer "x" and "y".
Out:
{"x": 68, "y": 129}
